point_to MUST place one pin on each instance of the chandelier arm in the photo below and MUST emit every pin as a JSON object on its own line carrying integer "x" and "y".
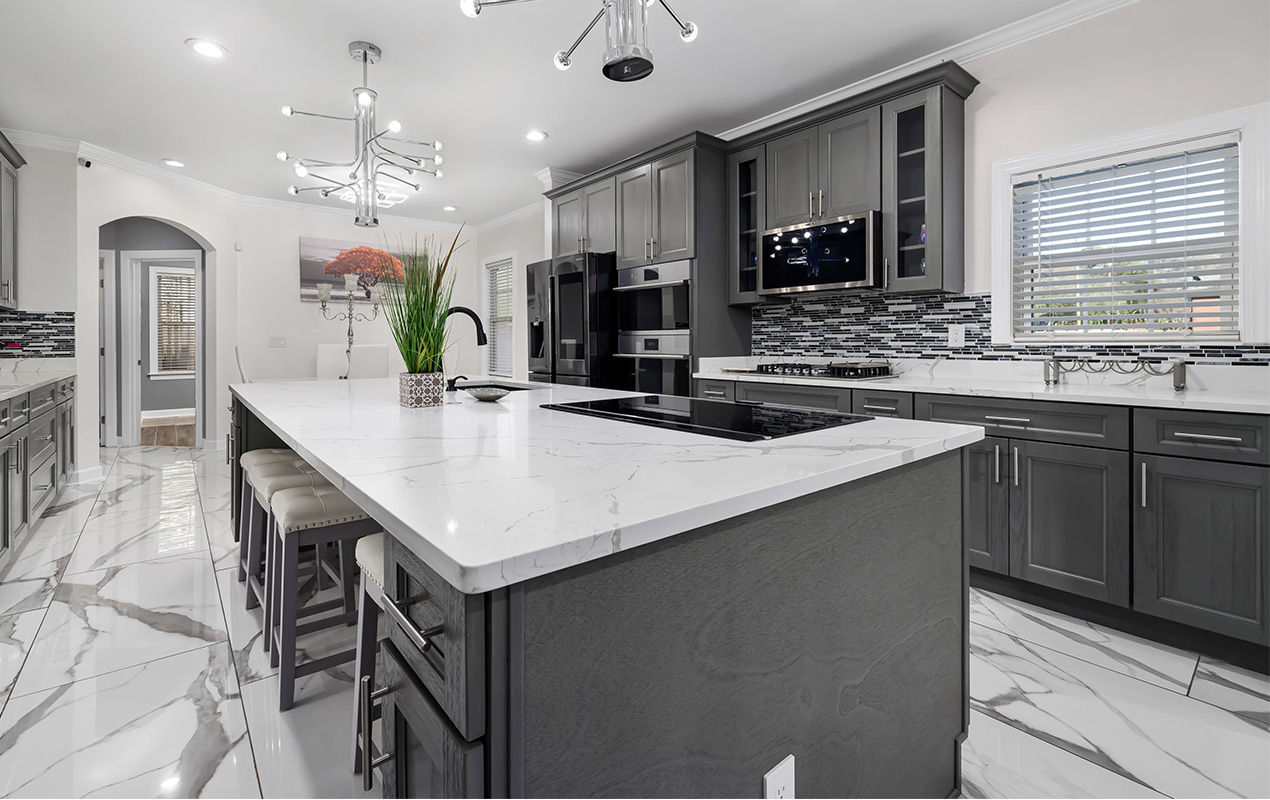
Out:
{"x": 295, "y": 113}
{"x": 415, "y": 167}
{"x": 317, "y": 162}
{"x": 674, "y": 16}
{"x": 331, "y": 181}
{"x": 408, "y": 141}
{"x": 384, "y": 152}
{"x": 391, "y": 176}
{"x": 569, "y": 53}
{"x": 485, "y": 3}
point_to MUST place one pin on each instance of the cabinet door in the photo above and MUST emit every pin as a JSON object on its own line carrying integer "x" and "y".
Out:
{"x": 1202, "y": 544}
{"x": 747, "y": 204}
{"x": 634, "y": 217}
{"x": 8, "y": 235}
{"x": 912, "y": 192}
{"x": 674, "y": 195}
{"x": 599, "y": 223}
{"x": 792, "y": 395}
{"x": 985, "y": 504}
{"x": 1069, "y": 518}
{"x": 17, "y": 481}
{"x": 850, "y": 164}
{"x": 793, "y": 170}
{"x": 8, "y": 453}
{"x": 567, "y": 220}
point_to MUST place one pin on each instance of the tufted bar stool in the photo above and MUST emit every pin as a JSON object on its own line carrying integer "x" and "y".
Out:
{"x": 370, "y": 560}
{"x": 247, "y": 461}
{"x": 308, "y": 516}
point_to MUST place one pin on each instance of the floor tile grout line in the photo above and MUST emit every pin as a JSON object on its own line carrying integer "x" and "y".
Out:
{"x": 1194, "y": 674}
{"x": 81, "y": 679}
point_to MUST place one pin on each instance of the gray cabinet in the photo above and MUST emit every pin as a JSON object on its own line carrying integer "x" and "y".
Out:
{"x": 826, "y": 171}
{"x": 8, "y": 234}
{"x": 17, "y": 483}
{"x": 793, "y": 395}
{"x": 585, "y": 220}
{"x": 634, "y": 216}
{"x": 8, "y": 459}
{"x": 1069, "y": 519}
{"x": 716, "y": 390}
{"x": 655, "y": 211}
{"x": 566, "y": 224}
{"x": 747, "y": 214}
{"x": 793, "y": 170}
{"x": 875, "y": 403}
{"x": 985, "y": 504}
{"x": 923, "y": 166}
{"x": 1202, "y": 544}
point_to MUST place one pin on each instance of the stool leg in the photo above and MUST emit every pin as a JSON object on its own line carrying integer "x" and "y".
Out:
{"x": 287, "y": 615}
{"x": 256, "y": 531}
{"x": 348, "y": 570}
{"x": 240, "y": 524}
{"x": 367, "y": 645}
{"x": 272, "y": 592}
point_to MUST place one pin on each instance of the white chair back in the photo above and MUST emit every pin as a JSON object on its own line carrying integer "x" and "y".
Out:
{"x": 242, "y": 373}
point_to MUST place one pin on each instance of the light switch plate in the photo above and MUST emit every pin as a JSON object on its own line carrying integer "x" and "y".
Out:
{"x": 956, "y": 335}
{"x": 277, "y": 341}
{"x": 779, "y": 782}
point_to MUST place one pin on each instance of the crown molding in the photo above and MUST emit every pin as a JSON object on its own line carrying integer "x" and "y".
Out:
{"x": 511, "y": 216}
{"x": 994, "y": 41}
{"x": 42, "y": 141}
{"x": 552, "y": 177}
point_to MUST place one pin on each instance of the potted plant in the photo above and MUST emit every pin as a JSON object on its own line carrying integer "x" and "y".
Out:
{"x": 416, "y": 299}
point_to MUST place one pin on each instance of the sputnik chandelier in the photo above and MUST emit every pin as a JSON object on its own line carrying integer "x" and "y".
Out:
{"x": 627, "y": 57}
{"x": 378, "y": 174}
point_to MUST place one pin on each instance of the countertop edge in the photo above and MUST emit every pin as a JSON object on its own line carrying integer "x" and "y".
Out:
{"x": 10, "y": 392}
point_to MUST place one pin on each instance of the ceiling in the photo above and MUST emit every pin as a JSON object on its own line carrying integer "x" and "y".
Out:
{"x": 118, "y": 75}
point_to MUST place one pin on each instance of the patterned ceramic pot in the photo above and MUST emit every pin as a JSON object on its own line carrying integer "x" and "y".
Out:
{"x": 422, "y": 389}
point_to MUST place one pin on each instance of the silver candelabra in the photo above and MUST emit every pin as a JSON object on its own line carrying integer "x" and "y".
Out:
{"x": 350, "y": 284}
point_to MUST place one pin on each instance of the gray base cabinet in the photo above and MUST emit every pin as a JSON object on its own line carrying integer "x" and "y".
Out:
{"x": 790, "y": 395}
{"x": 985, "y": 504}
{"x": 1201, "y": 531}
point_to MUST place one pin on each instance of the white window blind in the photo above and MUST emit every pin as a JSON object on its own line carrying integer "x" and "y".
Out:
{"x": 173, "y": 334}
{"x": 1144, "y": 248}
{"x": 498, "y": 311}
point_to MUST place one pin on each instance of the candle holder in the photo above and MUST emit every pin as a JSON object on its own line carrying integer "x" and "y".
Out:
{"x": 350, "y": 284}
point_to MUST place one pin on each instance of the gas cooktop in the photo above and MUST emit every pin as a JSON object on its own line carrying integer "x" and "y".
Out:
{"x": 847, "y": 370}
{"x": 745, "y": 422}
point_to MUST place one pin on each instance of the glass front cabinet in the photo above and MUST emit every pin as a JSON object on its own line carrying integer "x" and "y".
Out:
{"x": 746, "y": 220}
{"x": 923, "y": 192}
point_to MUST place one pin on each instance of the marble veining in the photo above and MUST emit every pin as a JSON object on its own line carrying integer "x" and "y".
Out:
{"x": 1245, "y": 692}
{"x": 14, "y": 383}
{"x": 17, "y": 632}
{"x": 490, "y": 494}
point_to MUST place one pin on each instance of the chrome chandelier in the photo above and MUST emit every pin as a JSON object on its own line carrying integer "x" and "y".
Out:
{"x": 627, "y": 57}
{"x": 378, "y": 174}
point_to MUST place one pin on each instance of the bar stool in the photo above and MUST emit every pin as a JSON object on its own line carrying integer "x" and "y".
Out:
{"x": 247, "y": 460}
{"x": 308, "y": 516}
{"x": 370, "y": 559}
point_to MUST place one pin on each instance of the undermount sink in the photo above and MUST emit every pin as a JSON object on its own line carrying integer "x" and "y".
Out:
{"x": 488, "y": 385}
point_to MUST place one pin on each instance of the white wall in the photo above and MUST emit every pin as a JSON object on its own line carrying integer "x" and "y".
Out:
{"x": 46, "y": 231}
{"x": 522, "y": 239}
{"x": 1148, "y": 64}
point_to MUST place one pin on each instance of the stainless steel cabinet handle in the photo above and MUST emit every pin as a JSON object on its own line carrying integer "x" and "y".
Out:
{"x": 44, "y": 487}
{"x": 421, "y": 638}
{"x": 811, "y": 213}
{"x": 821, "y": 208}
{"x": 996, "y": 463}
{"x": 4, "y": 420}
{"x": 16, "y": 466}
{"x": 229, "y": 448}
{"x": 712, "y": 393}
{"x": 652, "y": 249}
{"x": 369, "y": 696}
{"x": 1144, "y": 484}
{"x": 1018, "y": 420}
{"x": 1016, "y": 466}
{"x": 48, "y": 438}
{"x": 1208, "y": 437}
{"x": 868, "y": 407}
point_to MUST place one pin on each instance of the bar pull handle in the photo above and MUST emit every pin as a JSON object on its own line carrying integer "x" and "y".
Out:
{"x": 1016, "y": 466}
{"x": 712, "y": 393}
{"x": 811, "y": 212}
{"x": 1014, "y": 420}
{"x": 369, "y": 762}
{"x": 1144, "y": 484}
{"x": 422, "y": 638}
{"x": 886, "y": 409}
{"x": 48, "y": 438}
{"x": 822, "y": 202}
{"x": 43, "y": 487}
{"x": 996, "y": 463}
{"x": 1208, "y": 437}
{"x": 652, "y": 249}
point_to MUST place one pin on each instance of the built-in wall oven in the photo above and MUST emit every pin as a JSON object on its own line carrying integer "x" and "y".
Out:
{"x": 828, "y": 255}
{"x": 654, "y": 342}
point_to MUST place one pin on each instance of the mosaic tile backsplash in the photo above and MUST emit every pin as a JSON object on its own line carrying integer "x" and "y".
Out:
{"x": 30, "y": 334}
{"x": 916, "y": 326}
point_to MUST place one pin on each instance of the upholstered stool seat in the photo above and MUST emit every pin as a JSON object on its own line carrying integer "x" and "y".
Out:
{"x": 264, "y": 455}
{"x": 308, "y": 516}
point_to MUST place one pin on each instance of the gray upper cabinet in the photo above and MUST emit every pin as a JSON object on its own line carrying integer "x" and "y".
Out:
{"x": 850, "y": 164}
{"x": 634, "y": 216}
{"x": 747, "y": 215}
{"x": 923, "y": 166}
{"x": 655, "y": 208}
{"x": 567, "y": 219}
{"x": 8, "y": 234}
{"x": 793, "y": 170}
{"x": 585, "y": 220}
{"x": 1200, "y": 556}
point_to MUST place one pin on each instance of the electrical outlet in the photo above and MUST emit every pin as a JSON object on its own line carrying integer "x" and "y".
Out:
{"x": 779, "y": 782}
{"x": 277, "y": 341}
{"x": 956, "y": 335}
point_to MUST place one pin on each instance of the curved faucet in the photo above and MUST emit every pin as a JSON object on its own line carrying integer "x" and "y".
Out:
{"x": 481, "y": 340}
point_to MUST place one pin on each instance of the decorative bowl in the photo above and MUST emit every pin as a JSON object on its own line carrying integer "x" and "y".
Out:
{"x": 487, "y": 394}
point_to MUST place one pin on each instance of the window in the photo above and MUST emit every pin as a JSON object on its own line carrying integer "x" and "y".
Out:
{"x": 498, "y": 311}
{"x": 1143, "y": 239}
{"x": 172, "y": 321}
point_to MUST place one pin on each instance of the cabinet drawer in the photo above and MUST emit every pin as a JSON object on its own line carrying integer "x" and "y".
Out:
{"x": 42, "y": 399}
{"x": 1065, "y": 423}
{"x": 19, "y": 411}
{"x": 452, "y": 667}
{"x": 6, "y": 420}
{"x": 42, "y": 442}
{"x": 42, "y": 485}
{"x": 1203, "y": 434}
{"x": 716, "y": 390}
{"x": 882, "y": 404}
{"x": 787, "y": 395}
{"x": 65, "y": 390}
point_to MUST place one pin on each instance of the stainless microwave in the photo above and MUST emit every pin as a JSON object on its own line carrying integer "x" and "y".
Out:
{"x": 821, "y": 256}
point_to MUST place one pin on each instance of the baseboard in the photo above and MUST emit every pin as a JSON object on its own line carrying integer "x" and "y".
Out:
{"x": 167, "y": 412}
{"x": 87, "y": 475}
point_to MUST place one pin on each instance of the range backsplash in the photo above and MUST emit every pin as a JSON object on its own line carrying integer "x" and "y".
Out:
{"x": 916, "y": 326}
{"x": 27, "y": 334}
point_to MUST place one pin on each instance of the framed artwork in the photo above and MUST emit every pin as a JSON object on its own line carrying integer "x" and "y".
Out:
{"x": 329, "y": 260}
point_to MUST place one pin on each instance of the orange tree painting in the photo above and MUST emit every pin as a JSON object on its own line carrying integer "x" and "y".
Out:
{"x": 329, "y": 260}
{"x": 367, "y": 263}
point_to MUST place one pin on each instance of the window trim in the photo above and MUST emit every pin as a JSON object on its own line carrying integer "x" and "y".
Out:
{"x": 155, "y": 374}
{"x": 1252, "y": 123}
{"x": 486, "y": 263}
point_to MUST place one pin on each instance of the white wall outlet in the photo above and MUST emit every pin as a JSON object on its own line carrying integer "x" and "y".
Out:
{"x": 956, "y": 335}
{"x": 779, "y": 782}
{"x": 277, "y": 341}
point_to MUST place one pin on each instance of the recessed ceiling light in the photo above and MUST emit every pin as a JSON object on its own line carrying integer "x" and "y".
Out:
{"x": 172, "y": 162}
{"x": 536, "y": 136}
{"x": 448, "y": 208}
{"x": 205, "y": 48}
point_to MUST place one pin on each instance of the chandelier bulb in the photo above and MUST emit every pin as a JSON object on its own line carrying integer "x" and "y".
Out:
{"x": 394, "y": 126}
{"x": 380, "y": 195}
{"x": 438, "y": 160}
{"x": 439, "y": 174}
{"x": 561, "y": 60}
{"x": 301, "y": 170}
{"x": 470, "y": 8}
{"x": 364, "y": 98}
{"x": 689, "y": 32}
{"x": 282, "y": 156}
{"x": 287, "y": 111}
{"x": 436, "y": 146}
{"x": 293, "y": 190}
{"x": 325, "y": 193}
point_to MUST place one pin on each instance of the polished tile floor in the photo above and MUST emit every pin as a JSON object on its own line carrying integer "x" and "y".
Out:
{"x": 129, "y": 667}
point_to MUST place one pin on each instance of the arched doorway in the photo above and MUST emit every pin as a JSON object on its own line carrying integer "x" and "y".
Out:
{"x": 153, "y": 347}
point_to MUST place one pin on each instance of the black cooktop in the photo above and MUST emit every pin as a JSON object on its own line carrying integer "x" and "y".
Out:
{"x": 745, "y": 422}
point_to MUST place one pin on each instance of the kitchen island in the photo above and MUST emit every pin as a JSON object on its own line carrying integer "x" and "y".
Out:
{"x": 635, "y": 611}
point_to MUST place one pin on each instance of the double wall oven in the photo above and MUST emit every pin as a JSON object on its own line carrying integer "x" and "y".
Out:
{"x": 654, "y": 345}
{"x": 572, "y": 326}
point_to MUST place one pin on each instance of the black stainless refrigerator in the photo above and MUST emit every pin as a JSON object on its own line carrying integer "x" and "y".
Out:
{"x": 572, "y": 320}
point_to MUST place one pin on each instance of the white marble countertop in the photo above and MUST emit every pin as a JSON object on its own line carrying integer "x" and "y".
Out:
{"x": 13, "y": 384}
{"x": 491, "y": 494}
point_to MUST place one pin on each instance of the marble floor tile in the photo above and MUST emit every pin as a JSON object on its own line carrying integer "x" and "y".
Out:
{"x": 1169, "y": 742}
{"x": 141, "y": 460}
{"x": 1138, "y": 658}
{"x": 175, "y": 484}
{"x": 119, "y": 617}
{"x": 37, "y": 563}
{"x": 17, "y": 632}
{"x": 168, "y": 728}
{"x": 306, "y": 752}
{"x": 998, "y": 760}
{"x": 247, "y": 639}
{"x": 1240, "y": 690}
{"x": 220, "y": 540}
{"x": 70, "y": 509}
{"x": 142, "y": 529}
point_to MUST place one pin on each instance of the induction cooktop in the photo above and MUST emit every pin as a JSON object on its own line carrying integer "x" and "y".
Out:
{"x": 745, "y": 422}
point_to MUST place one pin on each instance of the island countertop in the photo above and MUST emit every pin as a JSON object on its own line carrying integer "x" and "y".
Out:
{"x": 491, "y": 494}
